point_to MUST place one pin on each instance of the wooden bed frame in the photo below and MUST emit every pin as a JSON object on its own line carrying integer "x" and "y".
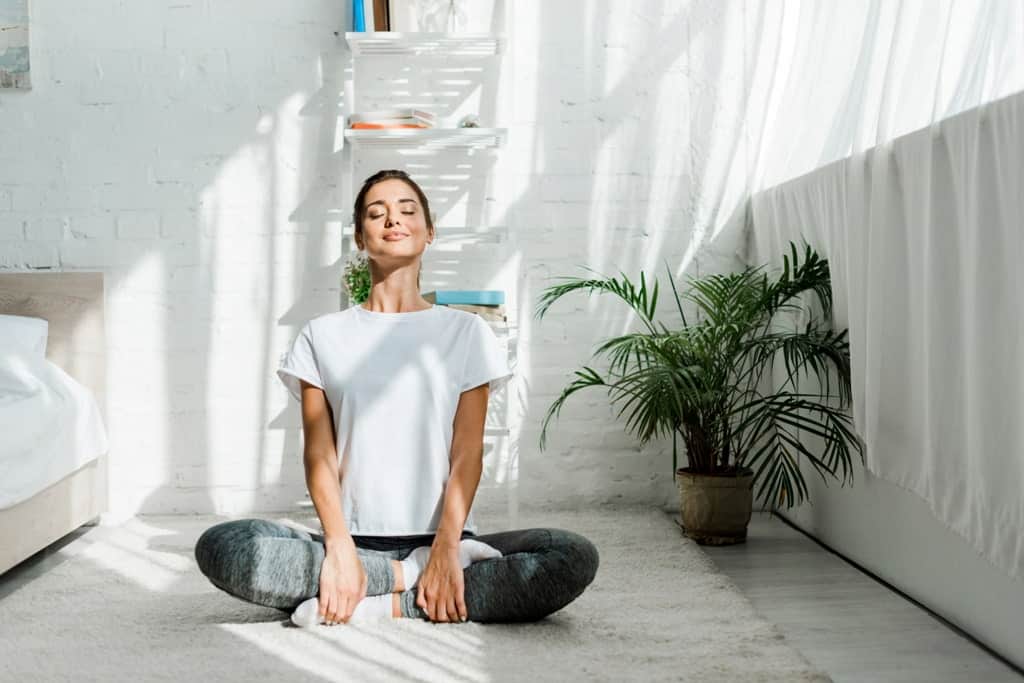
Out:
{"x": 73, "y": 305}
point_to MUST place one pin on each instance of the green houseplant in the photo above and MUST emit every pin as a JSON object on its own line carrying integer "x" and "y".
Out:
{"x": 356, "y": 278}
{"x": 703, "y": 382}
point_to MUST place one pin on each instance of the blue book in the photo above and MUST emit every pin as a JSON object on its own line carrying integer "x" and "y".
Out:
{"x": 479, "y": 297}
{"x": 358, "y": 19}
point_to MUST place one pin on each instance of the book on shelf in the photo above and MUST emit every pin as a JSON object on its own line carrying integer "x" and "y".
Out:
{"x": 379, "y": 126}
{"x": 490, "y": 312}
{"x": 370, "y": 16}
{"x": 392, "y": 118}
{"x": 380, "y": 14}
{"x": 358, "y": 16}
{"x": 476, "y": 297}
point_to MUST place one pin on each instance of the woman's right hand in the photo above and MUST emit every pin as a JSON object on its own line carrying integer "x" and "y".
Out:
{"x": 342, "y": 582}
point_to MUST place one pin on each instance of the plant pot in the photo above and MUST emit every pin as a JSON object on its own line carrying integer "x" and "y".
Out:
{"x": 715, "y": 509}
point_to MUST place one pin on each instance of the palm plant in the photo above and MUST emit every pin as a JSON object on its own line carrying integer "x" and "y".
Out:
{"x": 703, "y": 381}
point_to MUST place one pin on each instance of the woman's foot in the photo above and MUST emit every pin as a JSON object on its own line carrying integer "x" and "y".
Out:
{"x": 470, "y": 551}
{"x": 307, "y": 614}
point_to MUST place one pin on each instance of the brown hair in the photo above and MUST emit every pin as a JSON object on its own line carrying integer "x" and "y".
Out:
{"x": 359, "y": 210}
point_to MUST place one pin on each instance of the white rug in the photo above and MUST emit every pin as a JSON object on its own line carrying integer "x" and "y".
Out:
{"x": 128, "y": 603}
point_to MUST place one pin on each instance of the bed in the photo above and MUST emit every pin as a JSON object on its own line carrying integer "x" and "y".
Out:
{"x": 53, "y": 441}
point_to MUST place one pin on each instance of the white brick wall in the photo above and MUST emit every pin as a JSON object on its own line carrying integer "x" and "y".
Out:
{"x": 187, "y": 150}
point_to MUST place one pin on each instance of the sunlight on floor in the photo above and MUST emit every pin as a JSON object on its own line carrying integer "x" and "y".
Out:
{"x": 369, "y": 650}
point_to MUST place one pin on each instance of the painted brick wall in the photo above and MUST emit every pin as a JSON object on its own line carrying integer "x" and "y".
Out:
{"x": 189, "y": 151}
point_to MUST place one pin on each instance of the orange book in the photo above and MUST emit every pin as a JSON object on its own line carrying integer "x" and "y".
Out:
{"x": 388, "y": 125}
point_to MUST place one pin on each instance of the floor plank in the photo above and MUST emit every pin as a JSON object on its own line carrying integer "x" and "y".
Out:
{"x": 842, "y": 619}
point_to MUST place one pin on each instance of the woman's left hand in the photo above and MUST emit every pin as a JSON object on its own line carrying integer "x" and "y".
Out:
{"x": 441, "y": 588}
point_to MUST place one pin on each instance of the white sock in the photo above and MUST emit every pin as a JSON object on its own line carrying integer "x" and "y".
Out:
{"x": 470, "y": 551}
{"x": 307, "y": 613}
{"x": 371, "y": 607}
{"x": 377, "y": 606}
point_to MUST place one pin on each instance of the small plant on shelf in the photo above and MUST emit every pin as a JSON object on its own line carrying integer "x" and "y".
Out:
{"x": 356, "y": 278}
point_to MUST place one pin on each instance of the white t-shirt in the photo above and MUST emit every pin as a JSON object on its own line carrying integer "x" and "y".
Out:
{"x": 393, "y": 381}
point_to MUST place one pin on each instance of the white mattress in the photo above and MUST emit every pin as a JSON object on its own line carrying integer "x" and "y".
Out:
{"x": 50, "y": 426}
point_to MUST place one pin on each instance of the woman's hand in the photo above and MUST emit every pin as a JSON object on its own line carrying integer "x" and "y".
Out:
{"x": 342, "y": 582}
{"x": 441, "y": 592}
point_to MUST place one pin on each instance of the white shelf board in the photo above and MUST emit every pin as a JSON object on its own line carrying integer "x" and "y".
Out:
{"x": 429, "y": 138}
{"x": 456, "y": 235}
{"x": 423, "y": 44}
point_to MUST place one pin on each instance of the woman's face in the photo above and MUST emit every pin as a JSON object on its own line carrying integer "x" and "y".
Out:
{"x": 394, "y": 223}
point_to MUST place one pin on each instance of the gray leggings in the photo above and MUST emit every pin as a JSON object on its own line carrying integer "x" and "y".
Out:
{"x": 541, "y": 570}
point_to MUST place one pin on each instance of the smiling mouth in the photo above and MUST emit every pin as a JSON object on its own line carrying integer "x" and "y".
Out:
{"x": 395, "y": 238}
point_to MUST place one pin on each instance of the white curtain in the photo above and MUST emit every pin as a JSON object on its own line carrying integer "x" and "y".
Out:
{"x": 793, "y": 85}
{"x": 900, "y": 121}
{"x": 925, "y": 239}
{"x": 825, "y": 79}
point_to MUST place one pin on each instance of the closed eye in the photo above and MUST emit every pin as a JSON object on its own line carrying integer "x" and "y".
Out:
{"x": 407, "y": 213}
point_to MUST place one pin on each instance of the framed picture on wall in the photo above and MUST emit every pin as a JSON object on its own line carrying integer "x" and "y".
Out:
{"x": 14, "y": 57}
{"x": 441, "y": 16}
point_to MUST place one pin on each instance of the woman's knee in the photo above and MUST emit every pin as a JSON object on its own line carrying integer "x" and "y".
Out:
{"x": 211, "y": 549}
{"x": 206, "y": 547}
{"x": 581, "y": 558}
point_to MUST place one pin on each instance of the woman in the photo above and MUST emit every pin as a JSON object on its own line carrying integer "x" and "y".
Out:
{"x": 394, "y": 397}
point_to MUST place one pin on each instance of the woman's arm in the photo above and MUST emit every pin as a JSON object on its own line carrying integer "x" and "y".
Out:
{"x": 342, "y": 576}
{"x": 466, "y": 460}
{"x": 321, "y": 464}
{"x": 441, "y": 588}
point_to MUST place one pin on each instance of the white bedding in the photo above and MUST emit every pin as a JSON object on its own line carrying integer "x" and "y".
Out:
{"x": 50, "y": 425}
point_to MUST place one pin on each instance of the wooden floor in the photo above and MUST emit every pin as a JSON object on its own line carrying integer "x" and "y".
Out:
{"x": 843, "y": 620}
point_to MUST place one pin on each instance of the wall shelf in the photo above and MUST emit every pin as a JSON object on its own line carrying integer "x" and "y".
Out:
{"x": 423, "y": 44}
{"x": 401, "y": 143}
{"x": 428, "y": 138}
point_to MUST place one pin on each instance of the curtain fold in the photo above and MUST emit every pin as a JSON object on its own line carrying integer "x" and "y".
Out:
{"x": 925, "y": 239}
